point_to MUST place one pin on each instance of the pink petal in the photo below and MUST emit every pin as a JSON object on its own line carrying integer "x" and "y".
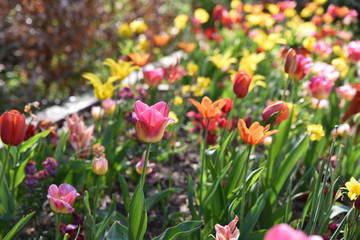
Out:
{"x": 140, "y": 107}
{"x": 65, "y": 189}
{"x": 70, "y": 198}
{"x": 162, "y": 107}
{"x": 53, "y": 191}
{"x": 151, "y": 117}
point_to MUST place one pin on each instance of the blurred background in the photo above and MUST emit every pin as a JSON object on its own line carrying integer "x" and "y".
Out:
{"x": 45, "y": 45}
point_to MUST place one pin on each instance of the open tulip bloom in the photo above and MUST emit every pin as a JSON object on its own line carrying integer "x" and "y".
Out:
{"x": 150, "y": 122}
{"x": 62, "y": 198}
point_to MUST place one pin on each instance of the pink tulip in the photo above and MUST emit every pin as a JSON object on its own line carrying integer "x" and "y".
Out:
{"x": 278, "y": 106}
{"x": 285, "y": 232}
{"x": 322, "y": 49}
{"x": 150, "y": 122}
{"x": 228, "y": 232}
{"x": 303, "y": 66}
{"x": 346, "y": 92}
{"x": 62, "y": 199}
{"x": 109, "y": 106}
{"x": 353, "y": 51}
{"x": 320, "y": 87}
{"x": 153, "y": 77}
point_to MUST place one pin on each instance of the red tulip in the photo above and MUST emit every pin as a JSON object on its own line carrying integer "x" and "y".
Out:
{"x": 12, "y": 127}
{"x": 277, "y": 106}
{"x": 241, "y": 84}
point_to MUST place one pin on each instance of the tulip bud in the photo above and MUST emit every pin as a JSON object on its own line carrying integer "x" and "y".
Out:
{"x": 99, "y": 166}
{"x": 290, "y": 61}
{"x": 109, "y": 106}
{"x": 97, "y": 112}
{"x": 241, "y": 84}
{"x": 279, "y": 107}
{"x": 267, "y": 141}
{"x": 12, "y": 128}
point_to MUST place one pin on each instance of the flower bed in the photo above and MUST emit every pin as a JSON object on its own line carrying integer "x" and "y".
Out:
{"x": 255, "y": 137}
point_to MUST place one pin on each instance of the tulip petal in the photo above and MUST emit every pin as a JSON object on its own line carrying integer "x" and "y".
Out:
{"x": 65, "y": 189}
{"x": 199, "y": 107}
{"x": 140, "y": 107}
{"x": 162, "y": 107}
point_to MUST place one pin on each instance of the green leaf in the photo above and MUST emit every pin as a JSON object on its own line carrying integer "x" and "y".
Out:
{"x": 287, "y": 165}
{"x": 153, "y": 199}
{"x": 18, "y": 226}
{"x": 235, "y": 175}
{"x": 86, "y": 203}
{"x": 61, "y": 147}
{"x": 79, "y": 165}
{"x": 279, "y": 141}
{"x": 89, "y": 226}
{"x": 137, "y": 215}
{"x": 30, "y": 143}
{"x": 20, "y": 173}
{"x": 190, "y": 197}
{"x": 180, "y": 230}
{"x": 117, "y": 232}
{"x": 107, "y": 219}
{"x": 124, "y": 191}
{"x": 216, "y": 183}
{"x": 253, "y": 216}
{"x": 338, "y": 209}
{"x": 222, "y": 149}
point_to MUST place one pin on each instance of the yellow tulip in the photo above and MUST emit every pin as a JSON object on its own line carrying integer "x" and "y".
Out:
{"x": 121, "y": 68}
{"x": 102, "y": 90}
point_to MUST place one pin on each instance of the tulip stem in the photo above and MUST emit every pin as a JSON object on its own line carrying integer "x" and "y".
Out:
{"x": 286, "y": 86}
{"x": 203, "y": 164}
{"x": 142, "y": 178}
{"x": 243, "y": 192}
{"x": 4, "y": 164}
{"x": 96, "y": 196}
{"x": 58, "y": 220}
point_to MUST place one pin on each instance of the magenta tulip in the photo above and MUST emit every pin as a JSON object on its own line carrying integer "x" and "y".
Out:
{"x": 285, "y": 232}
{"x": 153, "y": 77}
{"x": 150, "y": 122}
{"x": 62, "y": 198}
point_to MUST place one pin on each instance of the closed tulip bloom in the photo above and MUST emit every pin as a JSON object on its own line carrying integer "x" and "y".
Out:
{"x": 62, "y": 198}
{"x": 97, "y": 112}
{"x": 277, "y": 106}
{"x": 12, "y": 127}
{"x": 255, "y": 134}
{"x": 140, "y": 165}
{"x": 109, "y": 106}
{"x": 241, "y": 84}
{"x": 207, "y": 108}
{"x": 290, "y": 61}
{"x": 99, "y": 166}
{"x": 153, "y": 77}
{"x": 286, "y": 232}
{"x": 150, "y": 122}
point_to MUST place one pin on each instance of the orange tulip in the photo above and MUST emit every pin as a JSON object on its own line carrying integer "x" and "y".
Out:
{"x": 161, "y": 40}
{"x": 139, "y": 59}
{"x": 255, "y": 134}
{"x": 187, "y": 47}
{"x": 207, "y": 108}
